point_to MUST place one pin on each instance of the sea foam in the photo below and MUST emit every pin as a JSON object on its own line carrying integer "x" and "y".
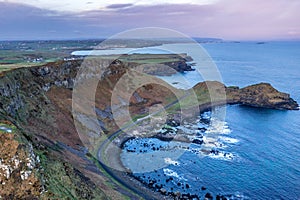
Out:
{"x": 170, "y": 172}
{"x": 222, "y": 156}
{"x": 171, "y": 162}
{"x": 228, "y": 140}
{"x": 218, "y": 126}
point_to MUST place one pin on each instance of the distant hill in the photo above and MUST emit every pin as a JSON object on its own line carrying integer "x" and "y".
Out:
{"x": 203, "y": 40}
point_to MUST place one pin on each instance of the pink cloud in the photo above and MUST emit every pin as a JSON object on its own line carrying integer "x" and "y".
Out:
{"x": 227, "y": 19}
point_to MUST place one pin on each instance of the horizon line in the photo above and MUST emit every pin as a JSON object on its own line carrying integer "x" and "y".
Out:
{"x": 194, "y": 38}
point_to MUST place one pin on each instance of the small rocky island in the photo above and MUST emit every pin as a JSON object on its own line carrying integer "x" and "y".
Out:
{"x": 37, "y": 102}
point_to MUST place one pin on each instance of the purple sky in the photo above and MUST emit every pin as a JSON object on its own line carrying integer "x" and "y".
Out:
{"x": 226, "y": 19}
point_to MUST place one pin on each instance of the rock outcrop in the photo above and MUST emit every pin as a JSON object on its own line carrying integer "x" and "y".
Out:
{"x": 159, "y": 64}
{"x": 19, "y": 167}
{"x": 261, "y": 95}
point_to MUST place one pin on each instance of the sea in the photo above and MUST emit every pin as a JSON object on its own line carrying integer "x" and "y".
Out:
{"x": 252, "y": 153}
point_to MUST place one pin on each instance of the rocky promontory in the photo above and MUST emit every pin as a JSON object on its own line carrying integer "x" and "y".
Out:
{"x": 156, "y": 64}
{"x": 261, "y": 95}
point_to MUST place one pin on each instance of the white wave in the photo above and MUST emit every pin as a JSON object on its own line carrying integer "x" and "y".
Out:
{"x": 171, "y": 162}
{"x": 187, "y": 130}
{"x": 209, "y": 140}
{"x": 212, "y": 142}
{"x": 218, "y": 126}
{"x": 170, "y": 172}
{"x": 229, "y": 140}
{"x": 238, "y": 195}
{"x": 206, "y": 115}
{"x": 222, "y": 156}
{"x": 226, "y": 130}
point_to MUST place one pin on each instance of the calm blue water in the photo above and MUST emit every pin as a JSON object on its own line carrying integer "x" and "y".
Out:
{"x": 269, "y": 139}
{"x": 266, "y": 162}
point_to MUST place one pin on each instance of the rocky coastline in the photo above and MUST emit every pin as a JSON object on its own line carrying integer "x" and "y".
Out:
{"x": 37, "y": 101}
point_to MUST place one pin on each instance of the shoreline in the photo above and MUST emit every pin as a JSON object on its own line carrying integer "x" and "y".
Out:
{"x": 123, "y": 175}
{"x": 39, "y": 80}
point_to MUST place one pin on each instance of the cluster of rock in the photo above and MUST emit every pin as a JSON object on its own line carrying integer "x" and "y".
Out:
{"x": 18, "y": 168}
{"x": 159, "y": 187}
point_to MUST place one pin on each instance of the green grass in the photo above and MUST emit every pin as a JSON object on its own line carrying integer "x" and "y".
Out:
{"x": 15, "y": 58}
{"x": 96, "y": 162}
{"x": 136, "y": 117}
{"x": 141, "y": 58}
{"x": 153, "y": 61}
{"x": 7, "y": 67}
{"x": 62, "y": 181}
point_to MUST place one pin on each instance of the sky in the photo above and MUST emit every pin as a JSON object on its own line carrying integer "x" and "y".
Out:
{"x": 85, "y": 19}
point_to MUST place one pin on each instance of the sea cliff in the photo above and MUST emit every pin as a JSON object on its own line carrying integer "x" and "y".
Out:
{"x": 38, "y": 102}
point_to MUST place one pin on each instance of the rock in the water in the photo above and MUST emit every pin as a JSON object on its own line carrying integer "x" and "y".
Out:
{"x": 163, "y": 190}
{"x": 197, "y": 141}
{"x": 208, "y": 196}
{"x": 220, "y": 197}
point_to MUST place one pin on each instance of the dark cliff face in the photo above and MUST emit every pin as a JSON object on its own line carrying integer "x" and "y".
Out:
{"x": 25, "y": 103}
{"x": 180, "y": 66}
{"x": 22, "y": 91}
